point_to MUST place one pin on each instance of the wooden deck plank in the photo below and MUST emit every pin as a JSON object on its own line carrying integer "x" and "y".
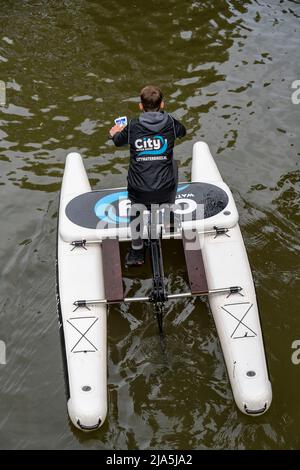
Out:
{"x": 195, "y": 266}
{"x": 112, "y": 271}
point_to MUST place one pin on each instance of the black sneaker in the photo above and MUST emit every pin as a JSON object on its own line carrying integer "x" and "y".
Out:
{"x": 135, "y": 257}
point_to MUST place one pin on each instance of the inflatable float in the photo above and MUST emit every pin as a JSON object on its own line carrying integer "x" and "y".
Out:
{"x": 91, "y": 226}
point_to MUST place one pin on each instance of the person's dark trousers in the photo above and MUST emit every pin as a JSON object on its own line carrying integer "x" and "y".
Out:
{"x": 136, "y": 215}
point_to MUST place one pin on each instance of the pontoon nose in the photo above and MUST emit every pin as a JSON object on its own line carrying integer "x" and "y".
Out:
{"x": 255, "y": 403}
{"x": 84, "y": 418}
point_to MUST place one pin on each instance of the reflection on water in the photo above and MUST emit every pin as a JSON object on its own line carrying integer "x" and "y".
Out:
{"x": 226, "y": 69}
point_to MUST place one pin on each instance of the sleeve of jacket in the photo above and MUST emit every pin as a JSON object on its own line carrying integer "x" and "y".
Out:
{"x": 121, "y": 138}
{"x": 180, "y": 130}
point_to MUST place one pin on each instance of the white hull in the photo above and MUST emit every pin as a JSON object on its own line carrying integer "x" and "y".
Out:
{"x": 80, "y": 275}
{"x": 226, "y": 263}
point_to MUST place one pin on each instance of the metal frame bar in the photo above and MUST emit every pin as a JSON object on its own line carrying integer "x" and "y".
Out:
{"x": 82, "y": 243}
{"x": 223, "y": 290}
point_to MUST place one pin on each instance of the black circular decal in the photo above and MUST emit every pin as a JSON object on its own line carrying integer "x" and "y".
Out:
{"x": 109, "y": 207}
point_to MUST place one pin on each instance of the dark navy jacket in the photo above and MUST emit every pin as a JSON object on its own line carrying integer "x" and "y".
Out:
{"x": 151, "y": 137}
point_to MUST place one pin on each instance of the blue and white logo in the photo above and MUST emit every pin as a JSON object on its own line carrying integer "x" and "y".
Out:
{"x": 156, "y": 145}
{"x": 113, "y": 208}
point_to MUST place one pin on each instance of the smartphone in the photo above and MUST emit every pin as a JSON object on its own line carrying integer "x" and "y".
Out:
{"x": 121, "y": 121}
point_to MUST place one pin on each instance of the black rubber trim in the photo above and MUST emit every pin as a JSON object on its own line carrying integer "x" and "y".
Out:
{"x": 89, "y": 428}
{"x": 255, "y": 412}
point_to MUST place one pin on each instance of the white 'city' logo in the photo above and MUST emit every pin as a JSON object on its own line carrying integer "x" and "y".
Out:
{"x": 151, "y": 145}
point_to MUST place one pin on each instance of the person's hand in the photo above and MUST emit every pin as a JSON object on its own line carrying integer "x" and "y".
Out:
{"x": 115, "y": 129}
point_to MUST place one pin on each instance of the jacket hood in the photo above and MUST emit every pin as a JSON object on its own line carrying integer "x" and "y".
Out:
{"x": 154, "y": 120}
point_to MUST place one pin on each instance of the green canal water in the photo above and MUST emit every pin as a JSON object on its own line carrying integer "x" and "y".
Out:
{"x": 226, "y": 68}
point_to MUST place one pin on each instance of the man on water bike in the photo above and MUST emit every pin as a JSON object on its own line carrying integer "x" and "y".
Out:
{"x": 152, "y": 175}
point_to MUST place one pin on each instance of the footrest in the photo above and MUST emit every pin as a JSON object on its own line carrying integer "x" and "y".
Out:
{"x": 112, "y": 271}
{"x": 194, "y": 263}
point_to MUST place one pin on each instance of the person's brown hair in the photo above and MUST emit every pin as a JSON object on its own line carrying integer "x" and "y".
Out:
{"x": 151, "y": 98}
